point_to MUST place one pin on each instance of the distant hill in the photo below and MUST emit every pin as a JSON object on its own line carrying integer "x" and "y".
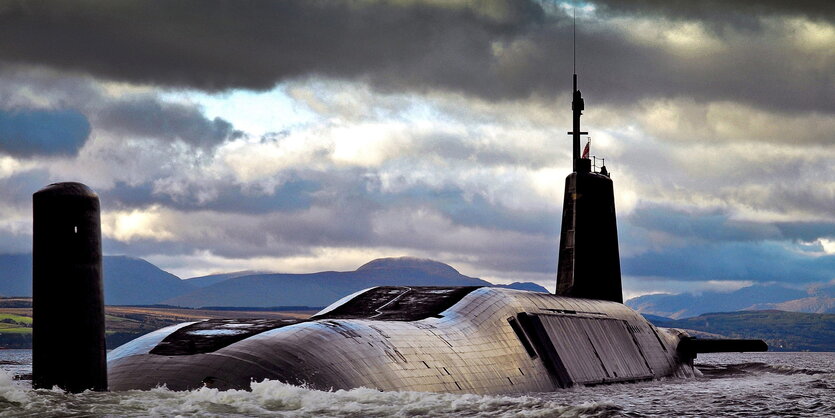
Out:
{"x": 813, "y": 304}
{"x": 820, "y": 299}
{"x": 783, "y": 331}
{"x": 533, "y": 287}
{"x": 133, "y": 281}
{"x": 208, "y": 280}
{"x": 127, "y": 281}
{"x": 16, "y": 275}
{"x": 655, "y": 319}
{"x": 324, "y": 288}
{"x": 688, "y": 305}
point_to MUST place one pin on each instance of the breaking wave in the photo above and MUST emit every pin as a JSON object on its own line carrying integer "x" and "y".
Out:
{"x": 740, "y": 369}
{"x": 279, "y": 399}
{"x": 767, "y": 384}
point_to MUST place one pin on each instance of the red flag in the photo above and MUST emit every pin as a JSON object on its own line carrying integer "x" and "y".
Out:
{"x": 586, "y": 151}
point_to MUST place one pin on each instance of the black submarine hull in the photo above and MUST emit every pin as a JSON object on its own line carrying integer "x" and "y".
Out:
{"x": 475, "y": 340}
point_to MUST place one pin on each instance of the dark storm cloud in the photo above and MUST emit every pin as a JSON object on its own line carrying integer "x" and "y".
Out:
{"x": 807, "y": 231}
{"x": 126, "y": 115}
{"x": 711, "y": 246}
{"x": 32, "y": 132}
{"x": 149, "y": 117}
{"x": 251, "y": 43}
{"x": 759, "y": 262}
{"x": 294, "y": 194}
{"x": 514, "y": 51}
{"x": 739, "y": 11}
{"x": 716, "y": 226}
{"x": 713, "y": 226}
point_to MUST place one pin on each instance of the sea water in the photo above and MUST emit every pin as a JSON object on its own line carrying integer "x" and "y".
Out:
{"x": 744, "y": 385}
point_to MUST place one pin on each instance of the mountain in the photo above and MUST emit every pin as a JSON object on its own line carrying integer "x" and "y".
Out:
{"x": 813, "y": 304}
{"x": 133, "y": 281}
{"x": 127, "y": 281}
{"x": 688, "y": 305}
{"x": 15, "y": 275}
{"x": 204, "y": 281}
{"x": 533, "y": 287}
{"x": 820, "y": 299}
{"x": 324, "y": 288}
{"x": 782, "y": 331}
{"x": 655, "y": 319}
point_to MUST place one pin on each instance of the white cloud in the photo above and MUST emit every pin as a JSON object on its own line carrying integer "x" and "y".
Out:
{"x": 129, "y": 225}
{"x": 688, "y": 39}
{"x": 828, "y": 245}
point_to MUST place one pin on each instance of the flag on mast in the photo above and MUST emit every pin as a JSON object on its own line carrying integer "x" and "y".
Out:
{"x": 586, "y": 150}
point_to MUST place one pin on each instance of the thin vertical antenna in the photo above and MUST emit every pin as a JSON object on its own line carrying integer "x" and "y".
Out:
{"x": 574, "y": 9}
{"x": 576, "y": 105}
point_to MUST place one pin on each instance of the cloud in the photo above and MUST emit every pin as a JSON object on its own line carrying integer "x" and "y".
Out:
{"x": 705, "y": 227}
{"x": 16, "y": 207}
{"x": 393, "y": 230}
{"x": 758, "y": 262}
{"x": 216, "y": 45}
{"x": 222, "y": 196}
{"x": 683, "y": 121}
{"x": 807, "y": 231}
{"x": 495, "y": 49}
{"x": 467, "y": 190}
{"x": 149, "y": 117}
{"x": 31, "y": 132}
{"x": 677, "y": 226}
{"x": 445, "y": 140}
{"x": 671, "y": 243}
{"x": 737, "y": 12}
{"x": 46, "y": 112}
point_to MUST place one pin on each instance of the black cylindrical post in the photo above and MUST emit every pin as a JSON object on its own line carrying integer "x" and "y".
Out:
{"x": 68, "y": 347}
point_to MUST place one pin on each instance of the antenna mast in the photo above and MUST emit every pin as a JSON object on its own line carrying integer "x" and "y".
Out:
{"x": 577, "y": 104}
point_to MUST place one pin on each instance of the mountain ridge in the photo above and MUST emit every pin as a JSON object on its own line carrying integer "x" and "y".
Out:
{"x": 127, "y": 280}
{"x": 134, "y": 281}
{"x": 323, "y": 288}
{"x": 782, "y": 331}
{"x": 816, "y": 299}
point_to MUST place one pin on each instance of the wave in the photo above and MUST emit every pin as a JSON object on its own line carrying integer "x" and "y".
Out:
{"x": 732, "y": 370}
{"x": 280, "y": 399}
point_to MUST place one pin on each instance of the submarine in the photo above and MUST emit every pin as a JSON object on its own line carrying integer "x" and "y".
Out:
{"x": 481, "y": 340}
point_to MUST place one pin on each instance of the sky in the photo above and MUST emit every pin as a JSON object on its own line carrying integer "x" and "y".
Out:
{"x": 306, "y": 135}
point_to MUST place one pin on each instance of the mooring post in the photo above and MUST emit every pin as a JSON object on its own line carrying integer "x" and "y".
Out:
{"x": 68, "y": 346}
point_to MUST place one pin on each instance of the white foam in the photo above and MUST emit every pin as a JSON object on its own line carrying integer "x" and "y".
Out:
{"x": 769, "y": 392}
{"x": 270, "y": 397}
{"x": 10, "y": 390}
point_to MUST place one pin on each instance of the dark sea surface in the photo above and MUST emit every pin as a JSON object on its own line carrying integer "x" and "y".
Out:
{"x": 732, "y": 385}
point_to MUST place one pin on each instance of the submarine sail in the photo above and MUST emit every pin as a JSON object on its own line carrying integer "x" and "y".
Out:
{"x": 589, "y": 258}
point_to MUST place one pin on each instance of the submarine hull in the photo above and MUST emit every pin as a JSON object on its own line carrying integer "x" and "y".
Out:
{"x": 475, "y": 340}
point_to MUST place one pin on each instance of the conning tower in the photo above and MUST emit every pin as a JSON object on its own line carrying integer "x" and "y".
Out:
{"x": 589, "y": 260}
